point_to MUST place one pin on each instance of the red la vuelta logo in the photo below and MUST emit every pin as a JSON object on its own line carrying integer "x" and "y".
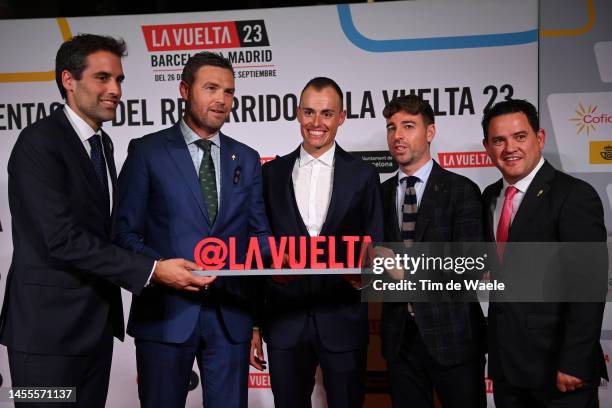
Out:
{"x": 214, "y": 254}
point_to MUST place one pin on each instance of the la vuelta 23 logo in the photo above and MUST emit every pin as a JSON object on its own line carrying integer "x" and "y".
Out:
{"x": 295, "y": 252}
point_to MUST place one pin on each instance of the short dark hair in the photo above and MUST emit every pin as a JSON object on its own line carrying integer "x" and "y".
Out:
{"x": 412, "y": 104}
{"x": 319, "y": 83}
{"x": 201, "y": 59}
{"x": 72, "y": 54}
{"x": 511, "y": 106}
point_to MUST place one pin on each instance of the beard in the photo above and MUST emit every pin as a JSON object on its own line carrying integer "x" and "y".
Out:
{"x": 208, "y": 124}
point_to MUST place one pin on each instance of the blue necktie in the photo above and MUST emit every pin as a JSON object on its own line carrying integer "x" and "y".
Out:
{"x": 97, "y": 158}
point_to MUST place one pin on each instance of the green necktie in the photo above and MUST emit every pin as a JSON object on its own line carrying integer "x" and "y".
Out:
{"x": 208, "y": 182}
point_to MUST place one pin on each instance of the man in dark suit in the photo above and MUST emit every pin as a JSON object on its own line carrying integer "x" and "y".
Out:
{"x": 177, "y": 187}
{"x": 319, "y": 190}
{"x": 540, "y": 354}
{"x": 429, "y": 346}
{"x": 62, "y": 303}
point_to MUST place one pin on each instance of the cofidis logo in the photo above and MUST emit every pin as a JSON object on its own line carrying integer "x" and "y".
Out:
{"x": 588, "y": 119}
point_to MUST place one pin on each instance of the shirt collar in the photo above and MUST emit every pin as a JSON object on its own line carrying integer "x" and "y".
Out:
{"x": 422, "y": 174}
{"x": 326, "y": 158}
{"x": 82, "y": 128}
{"x": 523, "y": 184}
{"x": 191, "y": 137}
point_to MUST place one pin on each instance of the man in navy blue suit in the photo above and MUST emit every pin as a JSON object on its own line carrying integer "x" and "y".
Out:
{"x": 178, "y": 186}
{"x": 319, "y": 190}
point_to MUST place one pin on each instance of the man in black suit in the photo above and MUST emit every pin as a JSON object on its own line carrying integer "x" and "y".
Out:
{"x": 429, "y": 346}
{"x": 319, "y": 190}
{"x": 540, "y": 354}
{"x": 62, "y": 302}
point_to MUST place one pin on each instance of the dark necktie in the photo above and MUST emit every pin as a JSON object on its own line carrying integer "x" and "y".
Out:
{"x": 208, "y": 181}
{"x": 97, "y": 158}
{"x": 409, "y": 210}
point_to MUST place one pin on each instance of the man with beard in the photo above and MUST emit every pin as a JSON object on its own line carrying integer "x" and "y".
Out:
{"x": 62, "y": 304}
{"x": 178, "y": 186}
{"x": 435, "y": 345}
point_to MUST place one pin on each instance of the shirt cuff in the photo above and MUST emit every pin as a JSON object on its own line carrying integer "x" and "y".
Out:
{"x": 149, "y": 283}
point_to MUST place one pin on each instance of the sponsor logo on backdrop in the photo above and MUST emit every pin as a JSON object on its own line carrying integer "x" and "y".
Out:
{"x": 259, "y": 380}
{"x": 455, "y": 160}
{"x": 600, "y": 152}
{"x": 588, "y": 119}
{"x": 266, "y": 159}
{"x": 489, "y": 385}
{"x": 381, "y": 159}
{"x": 244, "y": 43}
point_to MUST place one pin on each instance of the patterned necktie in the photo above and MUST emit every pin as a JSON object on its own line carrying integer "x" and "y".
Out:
{"x": 409, "y": 210}
{"x": 503, "y": 227}
{"x": 208, "y": 181}
{"x": 97, "y": 158}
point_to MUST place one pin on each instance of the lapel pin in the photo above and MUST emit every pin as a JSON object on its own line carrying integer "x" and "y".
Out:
{"x": 233, "y": 157}
{"x": 540, "y": 193}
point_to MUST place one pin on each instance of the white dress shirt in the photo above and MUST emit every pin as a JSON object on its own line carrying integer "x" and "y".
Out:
{"x": 522, "y": 185}
{"x": 312, "y": 184}
{"x": 84, "y": 131}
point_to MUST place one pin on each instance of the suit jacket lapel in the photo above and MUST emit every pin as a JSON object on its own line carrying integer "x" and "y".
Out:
{"x": 390, "y": 204}
{"x": 340, "y": 192}
{"x": 537, "y": 190}
{"x": 285, "y": 173}
{"x": 230, "y": 160}
{"x": 177, "y": 148}
{"x": 488, "y": 202}
{"x": 430, "y": 201}
{"x": 75, "y": 144}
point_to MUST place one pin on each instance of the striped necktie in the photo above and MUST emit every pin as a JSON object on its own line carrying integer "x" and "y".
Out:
{"x": 409, "y": 210}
